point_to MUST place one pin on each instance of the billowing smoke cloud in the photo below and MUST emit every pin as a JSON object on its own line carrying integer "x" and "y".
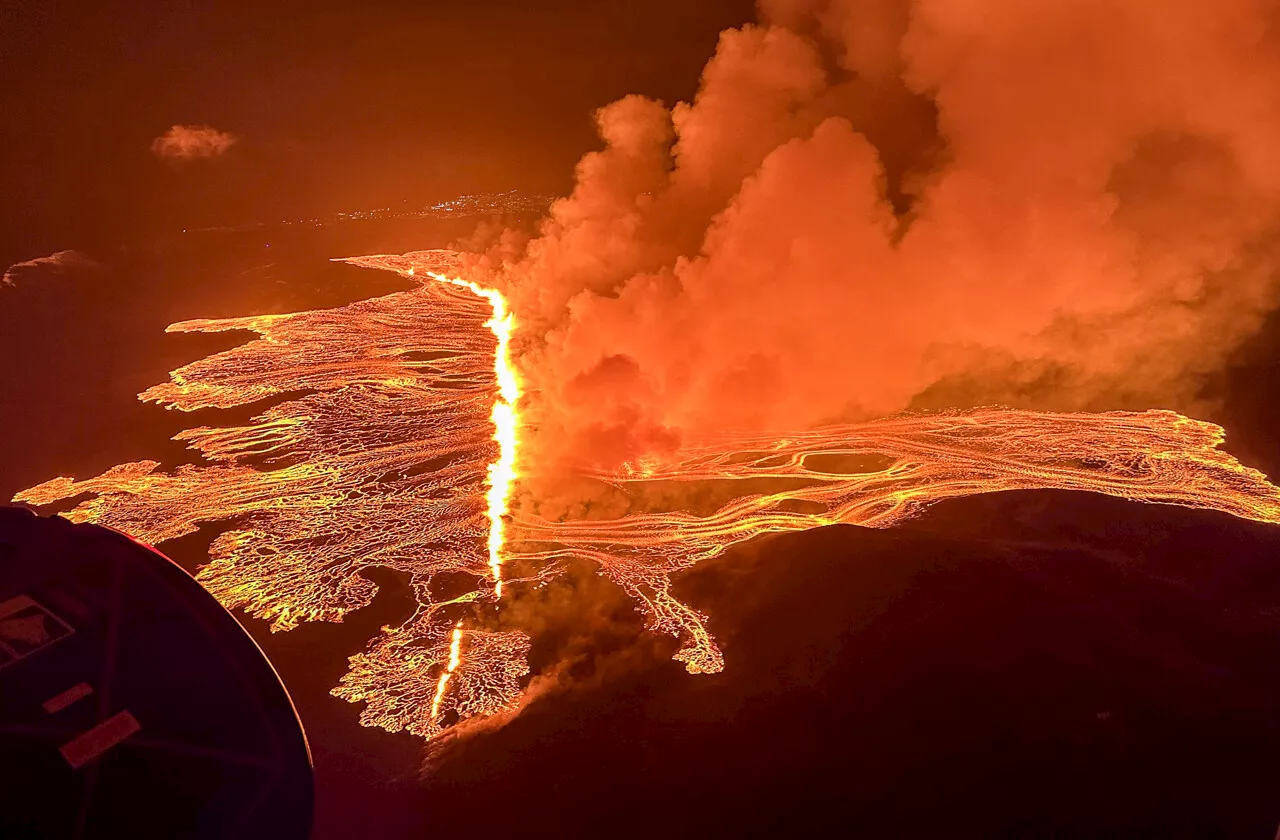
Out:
{"x": 190, "y": 142}
{"x": 56, "y": 263}
{"x": 877, "y": 205}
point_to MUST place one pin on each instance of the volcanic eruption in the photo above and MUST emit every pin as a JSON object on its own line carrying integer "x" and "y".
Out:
{"x": 745, "y": 319}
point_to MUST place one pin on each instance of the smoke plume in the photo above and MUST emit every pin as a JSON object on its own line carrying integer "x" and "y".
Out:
{"x": 191, "y": 142}
{"x": 877, "y": 205}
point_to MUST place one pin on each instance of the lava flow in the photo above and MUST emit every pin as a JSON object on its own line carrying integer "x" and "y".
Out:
{"x": 392, "y": 443}
{"x": 502, "y": 472}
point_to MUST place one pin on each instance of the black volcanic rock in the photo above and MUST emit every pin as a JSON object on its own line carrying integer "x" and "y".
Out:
{"x": 1021, "y": 664}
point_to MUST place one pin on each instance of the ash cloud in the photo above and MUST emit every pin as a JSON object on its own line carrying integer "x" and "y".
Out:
{"x": 192, "y": 142}
{"x": 879, "y": 205}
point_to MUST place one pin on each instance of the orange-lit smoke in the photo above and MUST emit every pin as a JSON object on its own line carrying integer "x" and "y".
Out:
{"x": 191, "y": 142}
{"x": 882, "y": 204}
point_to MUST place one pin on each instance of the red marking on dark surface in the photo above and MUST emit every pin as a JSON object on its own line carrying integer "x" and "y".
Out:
{"x": 88, "y": 746}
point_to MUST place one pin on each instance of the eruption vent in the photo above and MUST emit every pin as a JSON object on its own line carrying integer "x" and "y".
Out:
{"x": 393, "y": 461}
{"x": 869, "y": 208}
{"x": 502, "y": 472}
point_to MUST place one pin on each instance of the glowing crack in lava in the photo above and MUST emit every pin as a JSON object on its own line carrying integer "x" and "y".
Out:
{"x": 393, "y": 444}
{"x": 502, "y": 472}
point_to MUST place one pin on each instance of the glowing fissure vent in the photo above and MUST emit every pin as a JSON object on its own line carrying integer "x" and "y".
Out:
{"x": 455, "y": 659}
{"x": 502, "y": 472}
{"x": 403, "y": 380}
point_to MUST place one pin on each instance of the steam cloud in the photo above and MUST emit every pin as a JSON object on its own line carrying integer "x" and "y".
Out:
{"x": 884, "y": 204}
{"x": 190, "y": 142}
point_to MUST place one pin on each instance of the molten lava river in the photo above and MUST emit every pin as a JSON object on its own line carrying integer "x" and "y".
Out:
{"x": 395, "y": 444}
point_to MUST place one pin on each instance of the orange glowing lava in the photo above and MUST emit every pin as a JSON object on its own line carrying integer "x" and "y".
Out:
{"x": 502, "y": 472}
{"x": 455, "y": 657}
{"x": 393, "y": 443}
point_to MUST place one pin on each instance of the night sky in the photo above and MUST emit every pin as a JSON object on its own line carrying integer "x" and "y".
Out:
{"x": 337, "y": 105}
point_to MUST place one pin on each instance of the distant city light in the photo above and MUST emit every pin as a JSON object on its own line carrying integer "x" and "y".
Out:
{"x": 509, "y": 203}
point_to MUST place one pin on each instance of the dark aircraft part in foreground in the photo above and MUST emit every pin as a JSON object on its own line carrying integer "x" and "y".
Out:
{"x": 132, "y": 705}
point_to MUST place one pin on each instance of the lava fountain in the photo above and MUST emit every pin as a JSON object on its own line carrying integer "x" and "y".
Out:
{"x": 391, "y": 441}
{"x": 502, "y": 472}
